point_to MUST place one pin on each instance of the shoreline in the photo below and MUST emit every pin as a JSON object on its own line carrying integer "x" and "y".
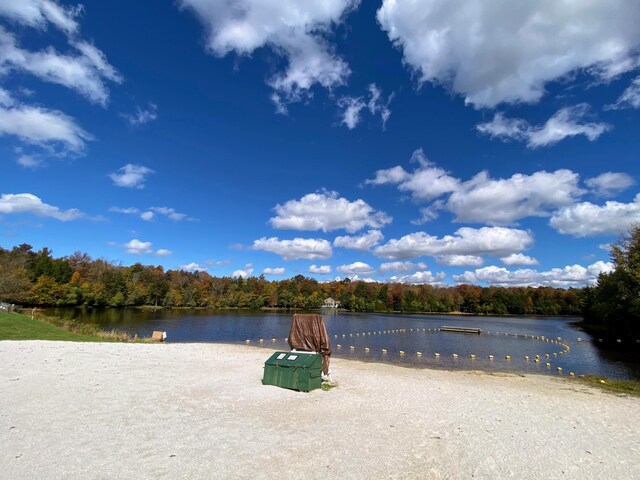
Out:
{"x": 199, "y": 410}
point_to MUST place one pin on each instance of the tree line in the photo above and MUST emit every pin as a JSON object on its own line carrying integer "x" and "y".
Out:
{"x": 36, "y": 278}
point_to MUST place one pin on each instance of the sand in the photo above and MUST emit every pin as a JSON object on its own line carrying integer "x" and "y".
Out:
{"x": 133, "y": 411}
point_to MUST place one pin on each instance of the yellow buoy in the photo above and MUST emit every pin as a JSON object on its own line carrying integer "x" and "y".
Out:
{"x": 384, "y": 350}
{"x": 536, "y": 360}
{"x": 507, "y": 357}
{"x": 546, "y": 355}
{"x": 273, "y": 340}
{"x": 437, "y": 354}
{"x": 548, "y": 364}
{"x": 455, "y": 355}
{"x": 401, "y": 352}
{"x": 352, "y": 347}
{"x": 419, "y": 354}
{"x": 247, "y": 341}
{"x": 472, "y": 356}
{"x": 526, "y": 357}
{"x": 262, "y": 340}
{"x": 366, "y": 349}
{"x": 559, "y": 369}
{"x": 490, "y": 357}
{"x": 571, "y": 374}
{"x": 339, "y": 346}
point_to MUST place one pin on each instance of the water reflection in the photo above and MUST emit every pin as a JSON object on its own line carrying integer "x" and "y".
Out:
{"x": 502, "y": 337}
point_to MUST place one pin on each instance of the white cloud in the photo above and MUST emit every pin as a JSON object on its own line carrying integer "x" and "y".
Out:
{"x": 141, "y": 116}
{"x": 36, "y": 13}
{"x": 425, "y": 183}
{"x": 326, "y": 211}
{"x": 147, "y": 216}
{"x": 85, "y": 73}
{"x": 363, "y": 242}
{"x": 401, "y": 267}
{"x": 570, "y": 276}
{"x": 483, "y": 199}
{"x": 17, "y": 203}
{"x": 295, "y": 30}
{"x": 630, "y": 98}
{"x": 49, "y": 129}
{"x": 28, "y": 161}
{"x": 492, "y": 52}
{"x": 586, "y": 219}
{"x": 609, "y": 183}
{"x": 137, "y": 247}
{"x": 519, "y": 259}
{"x": 192, "y": 267}
{"x": 163, "y": 252}
{"x": 504, "y": 201}
{"x": 129, "y": 210}
{"x": 460, "y": 260}
{"x": 353, "y": 106}
{"x": 298, "y": 248}
{"x": 151, "y": 212}
{"x": 356, "y": 268}
{"x": 494, "y": 241}
{"x": 420, "y": 278}
{"x": 319, "y": 270}
{"x": 130, "y": 176}
{"x": 273, "y": 271}
{"x": 566, "y": 122}
{"x": 246, "y": 273}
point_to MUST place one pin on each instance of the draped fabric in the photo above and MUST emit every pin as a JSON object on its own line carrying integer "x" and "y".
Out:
{"x": 308, "y": 332}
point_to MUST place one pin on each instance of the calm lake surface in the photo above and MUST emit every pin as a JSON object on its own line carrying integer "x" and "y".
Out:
{"x": 516, "y": 337}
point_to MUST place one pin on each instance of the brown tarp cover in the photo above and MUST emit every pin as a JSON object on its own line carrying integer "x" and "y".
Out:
{"x": 308, "y": 332}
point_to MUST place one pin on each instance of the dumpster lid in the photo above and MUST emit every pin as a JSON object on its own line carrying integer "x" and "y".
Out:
{"x": 294, "y": 359}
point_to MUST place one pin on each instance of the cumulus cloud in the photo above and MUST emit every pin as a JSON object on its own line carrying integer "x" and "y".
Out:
{"x": 326, "y": 211}
{"x": 298, "y": 248}
{"x": 420, "y": 278}
{"x": 401, "y": 267}
{"x": 460, "y": 260}
{"x": 138, "y": 247}
{"x": 630, "y": 98}
{"x": 18, "y": 203}
{"x": 575, "y": 276}
{"x": 246, "y": 273}
{"x": 506, "y": 52}
{"x": 483, "y": 199}
{"x": 49, "y": 129}
{"x": 363, "y": 242}
{"x": 28, "y": 161}
{"x": 142, "y": 115}
{"x": 319, "y": 270}
{"x": 295, "y": 30}
{"x": 566, "y": 122}
{"x": 356, "y": 268}
{"x": 86, "y": 72}
{"x": 504, "y": 201}
{"x": 273, "y": 271}
{"x": 426, "y": 182}
{"x": 151, "y": 213}
{"x": 352, "y": 107}
{"x": 192, "y": 267}
{"x": 609, "y": 183}
{"x": 130, "y": 176}
{"x": 493, "y": 241}
{"x": 519, "y": 259}
{"x": 586, "y": 219}
{"x": 163, "y": 252}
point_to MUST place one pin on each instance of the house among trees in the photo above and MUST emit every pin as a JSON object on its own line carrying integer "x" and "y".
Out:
{"x": 330, "y": 303}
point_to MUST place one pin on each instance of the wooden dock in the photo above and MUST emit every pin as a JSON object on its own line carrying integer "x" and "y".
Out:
{"x": 476, "y": 331}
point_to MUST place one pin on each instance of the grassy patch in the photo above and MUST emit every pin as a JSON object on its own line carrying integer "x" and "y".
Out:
{"x": 14, "y": 326}
{"x": 629, "y": 387}
{"x": 326, "y": 386}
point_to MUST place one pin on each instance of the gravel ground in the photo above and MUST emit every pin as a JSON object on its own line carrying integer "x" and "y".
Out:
{"x": 133, "y": 411}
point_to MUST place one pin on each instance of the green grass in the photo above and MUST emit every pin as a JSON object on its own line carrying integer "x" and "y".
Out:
{"x": 629, "y": 387}
{"x": 14, "y": 326}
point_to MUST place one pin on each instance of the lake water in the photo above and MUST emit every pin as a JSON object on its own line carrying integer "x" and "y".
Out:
{"x": 552, "y": 339}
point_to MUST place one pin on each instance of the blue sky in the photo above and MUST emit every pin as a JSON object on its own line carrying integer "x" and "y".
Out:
{"x": 424, "y": 141}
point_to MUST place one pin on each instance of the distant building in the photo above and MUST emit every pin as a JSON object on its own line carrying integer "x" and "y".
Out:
{"x": 330, "y": 303}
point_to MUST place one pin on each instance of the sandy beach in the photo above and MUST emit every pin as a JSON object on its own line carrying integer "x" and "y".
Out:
{"x": 132, "y": 411}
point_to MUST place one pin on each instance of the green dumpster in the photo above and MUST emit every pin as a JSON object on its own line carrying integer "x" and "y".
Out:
{"x": 295, "y": 370}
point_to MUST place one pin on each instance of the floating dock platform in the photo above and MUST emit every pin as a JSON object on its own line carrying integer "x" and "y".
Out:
{"x": 476, "y": 331}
